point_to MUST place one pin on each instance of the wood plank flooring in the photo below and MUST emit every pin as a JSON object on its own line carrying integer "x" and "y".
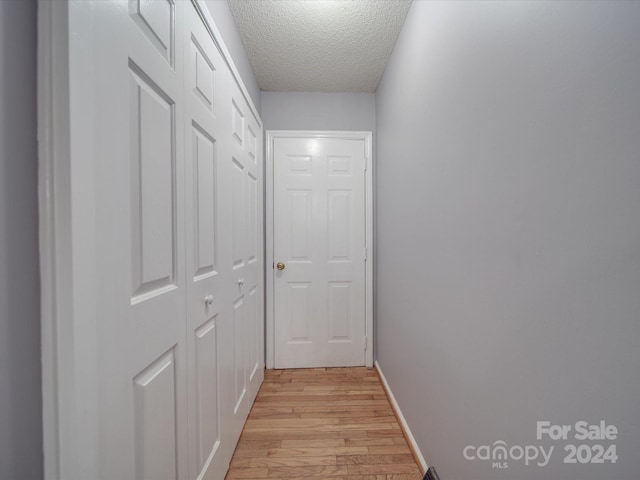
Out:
{"x": 333, "y": 424}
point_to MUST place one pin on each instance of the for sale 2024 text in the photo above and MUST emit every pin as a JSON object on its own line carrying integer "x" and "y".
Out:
{"x": 582, "y": 431}
{"x": 590, "y": 443}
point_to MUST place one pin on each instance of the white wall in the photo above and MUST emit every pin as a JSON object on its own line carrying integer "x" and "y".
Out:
{"x": 20, "y": 397}
{"x": 223, "y": 19}
{"x": 508, "y": 230}
{"x": 318, "y": 111}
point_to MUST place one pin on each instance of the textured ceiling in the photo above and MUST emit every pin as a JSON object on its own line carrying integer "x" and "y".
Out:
{"x": 319, "y": 45}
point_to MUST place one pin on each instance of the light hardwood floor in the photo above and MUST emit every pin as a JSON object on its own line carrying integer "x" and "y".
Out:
{"x": 333, "y": 424}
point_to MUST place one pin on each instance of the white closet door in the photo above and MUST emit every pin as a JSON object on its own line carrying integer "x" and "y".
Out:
{"x": 165, "y": 160}
{"x": 206, "y": 84}
{"x": 138, "y": 144}
{"x": 224, "y": 254}
{"x": 244, "y": 194}
{"x": 254, "y": 276}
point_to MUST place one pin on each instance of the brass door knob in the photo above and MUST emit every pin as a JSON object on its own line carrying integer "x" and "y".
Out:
{"x": 280, "y": 266}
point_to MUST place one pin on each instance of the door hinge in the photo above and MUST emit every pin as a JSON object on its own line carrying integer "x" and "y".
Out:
{"x": 366, "y": 163}
{"x": 365, "y": 254}
{"x": 366, "y": 343}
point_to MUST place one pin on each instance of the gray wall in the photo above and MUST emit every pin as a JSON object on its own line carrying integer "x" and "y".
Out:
{"x": 20, "y": 380}
{"x": 318, "y": 111}
{"x": 508, "y": 230}
{"x": 223, "y": 19}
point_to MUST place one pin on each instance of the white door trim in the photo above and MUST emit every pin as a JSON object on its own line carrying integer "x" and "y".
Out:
{"x": 270, "y": 136}
{"x": 67, "y": 255}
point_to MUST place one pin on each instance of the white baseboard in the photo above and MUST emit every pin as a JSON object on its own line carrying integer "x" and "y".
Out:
{"x": 403, "y": 423}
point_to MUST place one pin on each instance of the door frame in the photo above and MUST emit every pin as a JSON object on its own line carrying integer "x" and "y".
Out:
{"x": 270, "y": 136}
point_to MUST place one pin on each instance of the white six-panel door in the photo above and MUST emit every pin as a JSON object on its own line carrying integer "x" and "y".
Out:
{"x": 140, "y": 234}
{"x": 319, "y": 251}
{"x": 173, "y": 154}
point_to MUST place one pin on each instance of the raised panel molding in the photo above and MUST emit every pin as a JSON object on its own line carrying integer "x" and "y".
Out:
{"x": 339, "y": 312}
{"x": 152, "y": 160}
{"x": 252, "y": 220}
{"x": 203, "y": 76}
{"x": 239, "y": 333}
{"x": 205, "y": 202}
{"x": 301, "y": 223}
{"x": 300, "y": 317}
{"x": 156, "y": 20}
{"x": 155, "y": 427}
{"x": 237, "y": 123}
{"x": 253, "y": 343}
{"x": 339, "y": 165}
{"x": 339, "y": 225}
{"x": 237, "y": 209}
{"x": 207, "y": 392}
{"x": 300, "y": 165}
{"x": 251, "y": 144}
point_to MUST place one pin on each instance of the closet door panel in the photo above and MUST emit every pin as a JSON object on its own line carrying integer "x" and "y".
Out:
{"x": 137, "y": 151}
{"x": 224, "y": 243}
{"x": 207, "y": 271}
